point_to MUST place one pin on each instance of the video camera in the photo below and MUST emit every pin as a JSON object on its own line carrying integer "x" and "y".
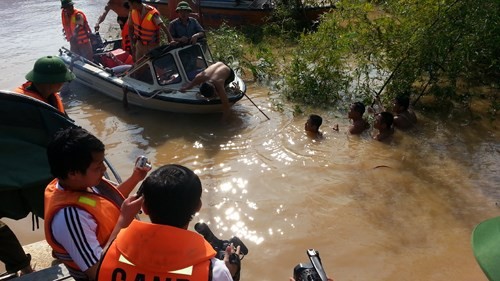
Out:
{"x": 310, "y": 271}
{"x": 221, "y": 245}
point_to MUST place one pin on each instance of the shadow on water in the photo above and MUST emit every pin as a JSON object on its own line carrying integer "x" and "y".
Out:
{"x": 157, "y": 127}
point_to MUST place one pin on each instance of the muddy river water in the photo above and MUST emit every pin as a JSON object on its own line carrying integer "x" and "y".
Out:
{"x": 374, "y": 211}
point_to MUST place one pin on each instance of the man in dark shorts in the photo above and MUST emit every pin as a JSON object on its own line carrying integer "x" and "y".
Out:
{"x": 214, "y": 80}
{"x": 230, "y": 78}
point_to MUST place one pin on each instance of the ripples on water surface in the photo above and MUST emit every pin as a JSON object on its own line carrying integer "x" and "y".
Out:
{"x": 399, "y": 211}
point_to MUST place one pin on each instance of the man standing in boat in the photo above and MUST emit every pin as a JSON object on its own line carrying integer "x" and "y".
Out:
{"x": 76, "y": 30}
{"x": 144, "y": 28}
{"x": 46, "y": 80}
{"x": 185, "y": 29}
{"x": 120, "y": 7}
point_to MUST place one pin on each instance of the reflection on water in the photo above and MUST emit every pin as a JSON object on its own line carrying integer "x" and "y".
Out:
{"x": 398, "y": 211}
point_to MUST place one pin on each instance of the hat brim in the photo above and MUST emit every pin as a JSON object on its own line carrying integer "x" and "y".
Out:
{"x": 50, "y": 78}
{"x": 183, "y": 9}
{"x": 485, "y": 245}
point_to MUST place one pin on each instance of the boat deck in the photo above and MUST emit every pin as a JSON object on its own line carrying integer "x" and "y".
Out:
{"x": 46, "y": 267}
{"x": 54, "y": 273}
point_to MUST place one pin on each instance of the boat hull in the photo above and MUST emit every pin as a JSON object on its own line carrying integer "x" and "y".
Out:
{"x": 151, "y": 96}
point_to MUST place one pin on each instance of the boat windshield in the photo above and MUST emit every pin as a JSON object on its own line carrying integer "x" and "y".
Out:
{"x": 192, "y": 60}
{"x": 166, "y": 70}
{"x": 143, "y": 74}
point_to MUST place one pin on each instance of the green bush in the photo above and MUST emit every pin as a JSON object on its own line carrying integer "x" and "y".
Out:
{"x": 361, "y": 50}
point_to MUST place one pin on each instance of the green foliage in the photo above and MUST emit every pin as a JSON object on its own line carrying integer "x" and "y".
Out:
{"x": 232, "y": 46}
{"x": 226, "y": 44}
{"x": 426, "y": 47}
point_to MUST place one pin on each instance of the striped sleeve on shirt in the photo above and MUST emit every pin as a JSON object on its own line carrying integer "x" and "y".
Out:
{"x": 75, "y": 229}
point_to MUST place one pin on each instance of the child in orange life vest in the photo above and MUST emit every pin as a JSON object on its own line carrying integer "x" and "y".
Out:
{"x": 172, "y": 196}
{"x": 81, "y": 208}
{"x": 312, "y": 126}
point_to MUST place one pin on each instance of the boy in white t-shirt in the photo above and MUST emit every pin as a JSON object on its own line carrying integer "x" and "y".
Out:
{"x": 81, "y": 207}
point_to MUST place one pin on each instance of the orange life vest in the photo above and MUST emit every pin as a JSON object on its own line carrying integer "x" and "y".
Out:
{"x": 69, "y": 25}
{"x": 145, "y": 30}
{"x": 55, "y": 99}
{"x": 146, "y": 251}
{"x": 126, "y": 39}
{"x": 105, "y": 211}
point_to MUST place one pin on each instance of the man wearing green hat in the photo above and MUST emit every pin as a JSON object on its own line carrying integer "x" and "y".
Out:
{"x": 76, "y": 30}
{"x": 46, "y": 80}
{"x": 185, "y": 29}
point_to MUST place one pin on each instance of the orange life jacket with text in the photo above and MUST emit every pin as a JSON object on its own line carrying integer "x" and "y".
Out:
{"x": 54, "y": 100}
{"x": 69, "y": 25}
{"x": 146, "y": 251}
{"x": 126, "y": 38}
{"x": 145, "y": 30}
{"x": 104, "y": 208}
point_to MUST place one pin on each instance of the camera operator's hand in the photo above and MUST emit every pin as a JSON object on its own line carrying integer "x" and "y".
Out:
{"x": 229, "y": 259}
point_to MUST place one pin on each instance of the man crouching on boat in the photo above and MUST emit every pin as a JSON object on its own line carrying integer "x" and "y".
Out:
{"x": 214, "y": 80}
{"x": 46, "y": 80}
{"x": 81, "y": 207}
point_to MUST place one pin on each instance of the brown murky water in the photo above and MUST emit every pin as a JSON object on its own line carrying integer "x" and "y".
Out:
{"x": 398, "y": 211}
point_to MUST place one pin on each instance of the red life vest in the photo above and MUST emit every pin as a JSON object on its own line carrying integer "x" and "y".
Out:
{"x": 146, "y": 251}
{"x": 69, "y": 25}
{"x": 126, "y": 38}
{"x": 105, "y": 211}
{"x": 55, "y": 99}
{"x": 145, "y": 29}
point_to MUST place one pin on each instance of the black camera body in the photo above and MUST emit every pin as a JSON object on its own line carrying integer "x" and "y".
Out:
{"x": 310, "y": 271}
{"x": 221, "y": 245}
{"x": 218, "y": 244}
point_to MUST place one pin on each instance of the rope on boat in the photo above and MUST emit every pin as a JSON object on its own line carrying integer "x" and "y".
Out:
{"x": 155, "y": 93}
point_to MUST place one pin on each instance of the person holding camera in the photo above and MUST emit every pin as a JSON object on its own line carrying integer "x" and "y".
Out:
{"x": 165, "y": 249}
{"x": 81, "y": 207}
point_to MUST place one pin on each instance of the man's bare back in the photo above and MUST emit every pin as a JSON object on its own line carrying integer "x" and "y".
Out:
{"x": 216, "y": 75}
{"x": 217, "y": 72}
